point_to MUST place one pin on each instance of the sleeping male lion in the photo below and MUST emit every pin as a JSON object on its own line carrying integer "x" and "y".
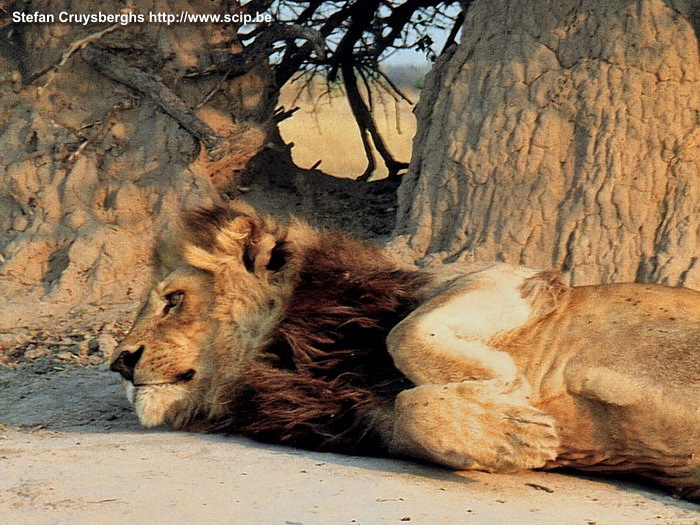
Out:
{"x": 310, "y": 338}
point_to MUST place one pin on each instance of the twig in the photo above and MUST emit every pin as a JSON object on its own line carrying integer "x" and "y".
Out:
{"x": 78, "y": 151}
{"x": 394, "y": 87}
{"x": 283, "y": 114}
{"x": 308, "y": 81}
{"x": 213, "y": 91}
{"x": 537, "y": 486}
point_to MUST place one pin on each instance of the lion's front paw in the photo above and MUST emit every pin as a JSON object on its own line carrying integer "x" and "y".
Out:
{"x": 473, "y": 425}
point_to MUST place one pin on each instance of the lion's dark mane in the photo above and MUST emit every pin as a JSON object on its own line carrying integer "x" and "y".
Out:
{"x": 328, "y": 369}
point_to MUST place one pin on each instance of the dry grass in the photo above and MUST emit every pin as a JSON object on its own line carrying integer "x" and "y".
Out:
{"x": 324, "y": 129}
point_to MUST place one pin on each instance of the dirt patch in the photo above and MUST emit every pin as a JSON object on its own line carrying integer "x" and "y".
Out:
{"x": 75, "y": 399}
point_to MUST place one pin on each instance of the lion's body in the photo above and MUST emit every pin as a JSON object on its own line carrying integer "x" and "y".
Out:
{"x": 310, "y": 338}
{"x": 616, "y": 367}
{"x": 624, "y": 357}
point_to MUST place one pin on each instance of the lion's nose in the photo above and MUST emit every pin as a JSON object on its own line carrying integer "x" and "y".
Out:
{"x": 125, "y": 363}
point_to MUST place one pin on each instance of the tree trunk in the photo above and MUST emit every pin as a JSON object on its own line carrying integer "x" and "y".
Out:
{"x": 92, "y": 167}
{"x": 563, "y": 135}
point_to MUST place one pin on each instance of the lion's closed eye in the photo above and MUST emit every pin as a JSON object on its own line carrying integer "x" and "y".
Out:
{"x": 173, "y": 300}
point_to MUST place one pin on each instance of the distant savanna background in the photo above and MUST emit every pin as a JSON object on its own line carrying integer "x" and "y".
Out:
{"x": 323, "y": 128}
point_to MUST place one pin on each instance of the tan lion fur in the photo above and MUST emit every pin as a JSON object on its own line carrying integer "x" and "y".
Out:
{"x": 278, "y": 331}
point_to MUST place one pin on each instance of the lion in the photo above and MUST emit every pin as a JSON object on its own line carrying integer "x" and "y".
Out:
{"x": 289, "y": 334}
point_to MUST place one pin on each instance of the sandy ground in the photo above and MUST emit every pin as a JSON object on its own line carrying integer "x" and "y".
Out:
{"x": 72, "y": 452}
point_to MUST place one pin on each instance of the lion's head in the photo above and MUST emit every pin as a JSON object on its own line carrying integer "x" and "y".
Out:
{"x": 160, "y": 358}
{"x": 218, "y": 287}
{"x": 268, "y": 328}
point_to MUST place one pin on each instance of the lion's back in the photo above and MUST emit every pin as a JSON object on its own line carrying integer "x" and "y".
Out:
{"x": 646, "y": 331}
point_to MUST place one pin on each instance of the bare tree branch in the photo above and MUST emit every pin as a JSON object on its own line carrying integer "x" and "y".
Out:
{"x": 307, "y": 13}
{"x": 367, "y": 126}
{"x": 294, "y": 58}
{"x": 397, "y": 20}
{"x": 359, "y": 32}
{"x": 453, "y": 33}
{"x": 368, "y": 89}
{"x": 282, "y": 114}
{"x": 113, "y": 67}
{"x": 394, "y": 87}
{"x": 263, "y": 46}
{"x": 361, "y": 15}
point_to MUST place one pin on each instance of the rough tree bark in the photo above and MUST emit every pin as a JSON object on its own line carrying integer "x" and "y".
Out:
{"x": 563, "y": 134}
{"x": 91, "y": 168}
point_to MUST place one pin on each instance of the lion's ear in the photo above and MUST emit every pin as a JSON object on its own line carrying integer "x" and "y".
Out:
{"x": 241, "y": 240}
{"x": 233, "y": 237}
{"x": 265, "y": 253}
{"x": 279, "y": 256}
{"x": 257, "y": 252}
{"x": 260, "y": 250}
{"x": 228, "y": 244}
